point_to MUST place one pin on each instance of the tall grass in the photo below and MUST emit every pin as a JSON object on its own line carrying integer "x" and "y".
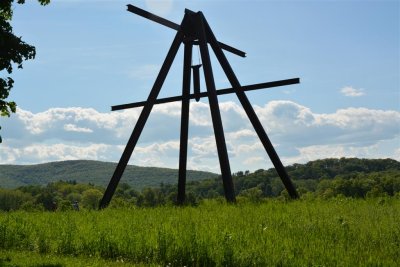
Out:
{"x": 338, "y": 232}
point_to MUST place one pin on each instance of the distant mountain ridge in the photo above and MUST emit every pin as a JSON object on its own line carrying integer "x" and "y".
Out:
{"x": 89, "y": 171}
{"x": 99, "y": 173}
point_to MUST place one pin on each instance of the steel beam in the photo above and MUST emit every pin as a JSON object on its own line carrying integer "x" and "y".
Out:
{"x": 173, "y": 25}
{"x": 251, "y": 114}
{"x": 215, "y": 112}
{"x": 144, "y": 115}
{"x": 153, "y": 17}
{"x": 205, "y": 94}
{"x": 196, "y": 81}
{"x": 187, "y": 61}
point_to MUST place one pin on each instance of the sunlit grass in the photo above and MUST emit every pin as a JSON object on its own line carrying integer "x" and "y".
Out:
{"x": 342, "y": 232}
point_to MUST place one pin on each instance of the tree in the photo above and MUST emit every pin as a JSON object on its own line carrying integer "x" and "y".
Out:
{"x": 252, "y": 194}
{"x": 13, "y": 50}
{"x": 12, "y": 199}
{"x": 91, "y": 198}
{"x": 48, "y": 199}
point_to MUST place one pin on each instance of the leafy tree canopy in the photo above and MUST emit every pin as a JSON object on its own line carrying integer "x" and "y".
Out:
{"x": 13, "y": 50}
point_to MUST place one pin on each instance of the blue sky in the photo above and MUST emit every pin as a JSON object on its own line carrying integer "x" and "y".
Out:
{"x": 94, "y": 54}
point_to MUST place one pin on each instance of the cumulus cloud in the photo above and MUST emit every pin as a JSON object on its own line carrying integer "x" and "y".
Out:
{"x": 298, "y": 134}
{"x": 352, "y": 92}
{"x": 381, "y": 149}
{"x": 38, "y": 153}
{"x": 74, "y": 128}
{"x": 294, "y": 124}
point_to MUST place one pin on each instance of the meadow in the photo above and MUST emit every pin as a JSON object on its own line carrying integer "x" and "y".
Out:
{"x": 334, "y": 232}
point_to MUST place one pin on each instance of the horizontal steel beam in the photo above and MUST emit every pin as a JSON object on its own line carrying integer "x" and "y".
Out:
{"x": 205, "y": 94}
{"x": 174, "y": 26}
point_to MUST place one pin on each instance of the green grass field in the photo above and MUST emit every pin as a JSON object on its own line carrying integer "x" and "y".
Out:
{"x": 336, "y": 232}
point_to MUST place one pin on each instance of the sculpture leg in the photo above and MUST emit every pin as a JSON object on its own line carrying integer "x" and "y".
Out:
{"x": 141, "y": 121}
{"x": 215, "y": 113}
{"x": 251, "y": 114}
{"x": 187, "y": 61}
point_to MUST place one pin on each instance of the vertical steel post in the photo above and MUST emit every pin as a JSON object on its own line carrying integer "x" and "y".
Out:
{"x": 215, "y": 112}
{"x": 196, "y": 82}
{"x": 251, "y": 113}
{"x": 187, "y": 61}
{"x": 144, "y": 115}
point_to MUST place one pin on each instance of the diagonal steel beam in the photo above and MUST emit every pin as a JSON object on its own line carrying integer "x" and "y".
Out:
{"x": 215, "y": 112}
{"x": 251, "y": 114}
{"x": 205, "y": 94}
{"x": 174, "y": 26}
{"x": 153, "y": 17}
{"x": 144, "y": 115}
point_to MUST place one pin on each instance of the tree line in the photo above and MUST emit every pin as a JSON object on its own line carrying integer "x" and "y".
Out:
{"x": 356, "y": 178}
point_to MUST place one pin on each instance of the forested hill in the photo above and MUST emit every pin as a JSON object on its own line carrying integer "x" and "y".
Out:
{"x": 327, "y": 178}
{"x": 99, "y": 173}
{"x": 86, "y": 171}
{"x": 346, "y": 176}
{"x": 330, "y": 168}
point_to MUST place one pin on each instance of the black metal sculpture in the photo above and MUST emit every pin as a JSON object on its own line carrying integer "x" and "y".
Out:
{"x": 194, "y": 30}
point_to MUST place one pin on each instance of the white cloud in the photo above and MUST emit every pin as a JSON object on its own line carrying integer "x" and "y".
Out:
{"x": 253, "y": 160}
{"x": 377, "y": 150}
{"x": 242, "y": 134}
{"x": 298, "y": 135}
{"x": 352, "y": 92}
{"x": 73, "y": 128}
{"x": 39, "y": 153}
